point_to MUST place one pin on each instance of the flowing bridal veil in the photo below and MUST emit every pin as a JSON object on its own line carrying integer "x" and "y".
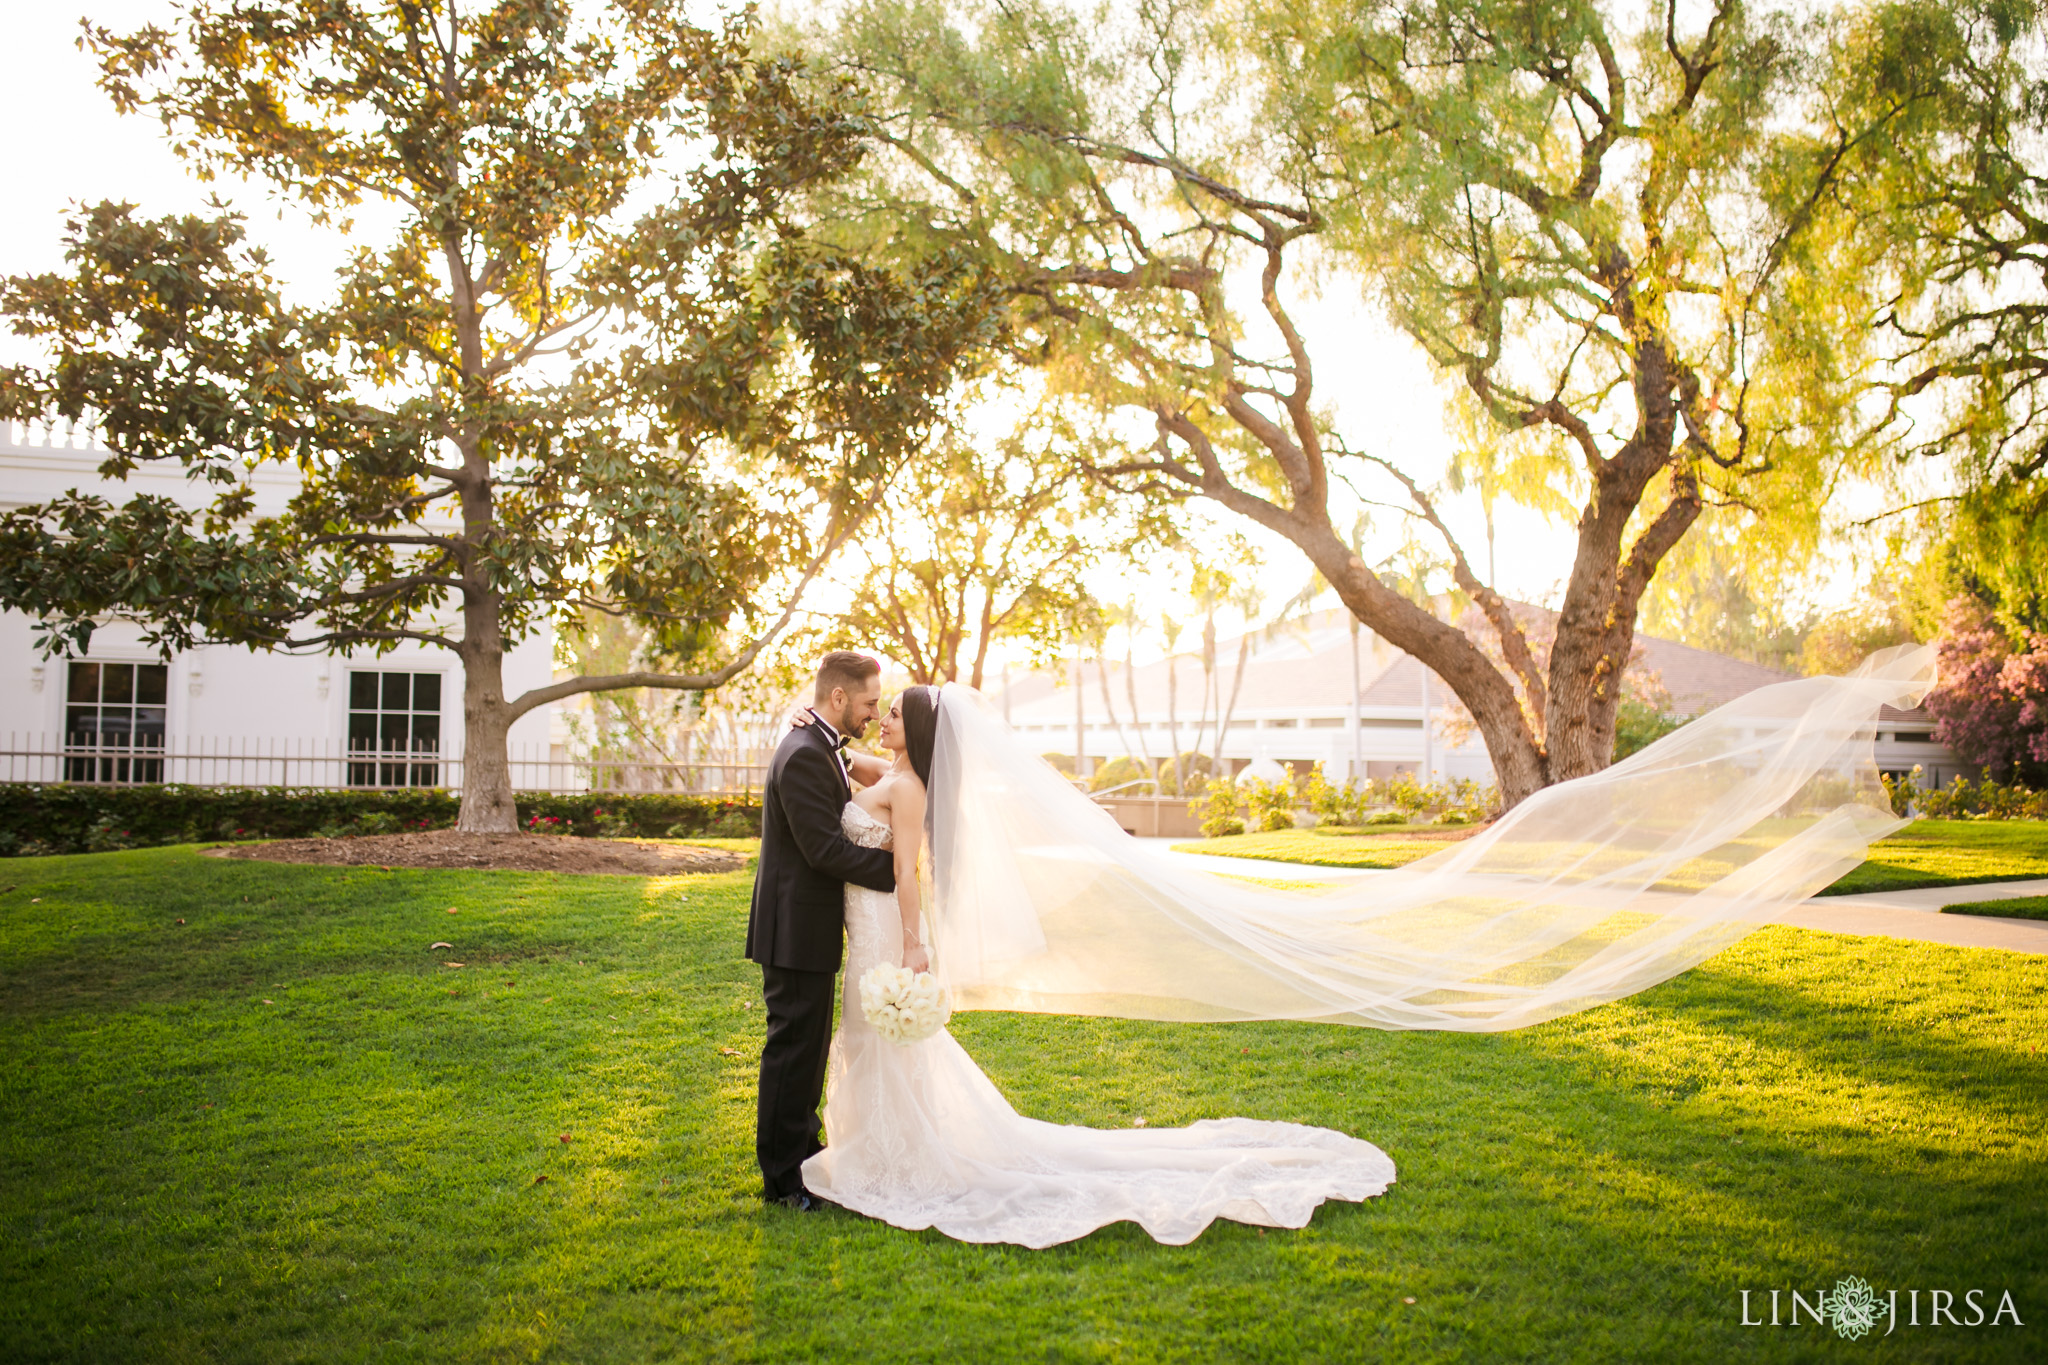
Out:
{"x": 1584, "y": 893}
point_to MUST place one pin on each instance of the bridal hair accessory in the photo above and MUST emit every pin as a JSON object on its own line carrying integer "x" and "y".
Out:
{"x": 903, "y": 1006}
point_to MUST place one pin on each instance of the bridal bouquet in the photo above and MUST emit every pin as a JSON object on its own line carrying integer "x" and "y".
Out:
{"x": 903, "y": 1006}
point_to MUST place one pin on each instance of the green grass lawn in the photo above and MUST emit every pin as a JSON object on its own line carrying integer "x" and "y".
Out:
{"x": 1951, "y": 853}
{"x": 1925, "y": 853}
{"x": 285, "y": 1130}
{"x": 2019, "y": 907}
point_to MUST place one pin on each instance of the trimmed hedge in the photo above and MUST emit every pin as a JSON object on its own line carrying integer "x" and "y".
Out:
{"x": 61, "y": 818}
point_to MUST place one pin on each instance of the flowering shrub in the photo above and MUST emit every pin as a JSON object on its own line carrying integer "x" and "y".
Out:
{"x": 732, "y": 820}
{"x": 104, "y": 837}
{"x": 547, "y": 824}
{"x": 1270, "y": 805}
{"x": 1460, "y": 801}
{"x": 1217, "y": 809}
{"x": 615, "y": 825}
{"x": 1335, "y": 805}
{"x": 1990, "y": 703}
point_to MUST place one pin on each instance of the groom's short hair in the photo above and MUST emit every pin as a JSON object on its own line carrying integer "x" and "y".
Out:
{"x": 844, "y": 668}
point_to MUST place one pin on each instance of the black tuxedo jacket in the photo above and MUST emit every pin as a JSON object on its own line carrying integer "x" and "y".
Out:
{"x": 799, "y": 911}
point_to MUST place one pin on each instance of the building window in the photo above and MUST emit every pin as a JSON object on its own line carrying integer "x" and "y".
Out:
{"x": 1326, "y": 723}
{"x": 394, "y": 713}
{"x": 112, "y": 711}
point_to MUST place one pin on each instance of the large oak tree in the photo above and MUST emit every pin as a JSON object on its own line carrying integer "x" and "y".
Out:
{"x": 1581, "y": 214}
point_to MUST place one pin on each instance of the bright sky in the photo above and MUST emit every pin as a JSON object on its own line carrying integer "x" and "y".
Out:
{"x": 68, "y": 145}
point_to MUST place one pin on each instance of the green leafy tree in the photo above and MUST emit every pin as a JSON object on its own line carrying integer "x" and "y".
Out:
{"x": 983, "y": 543}
{"x": 1716, "y": 591}
{"x": 1943, "y": 224}
{"x": 1581, "y": 214}
{"x": 573, "y": 378}
{"x": 1639, "y": 723}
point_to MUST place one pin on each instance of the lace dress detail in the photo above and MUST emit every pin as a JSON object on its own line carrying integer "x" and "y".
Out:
{"x": 921, "y": 1138}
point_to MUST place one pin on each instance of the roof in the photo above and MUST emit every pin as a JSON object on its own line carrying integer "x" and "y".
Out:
{"x": 1699, "y": 679}
{"x": 1307, "y": 666}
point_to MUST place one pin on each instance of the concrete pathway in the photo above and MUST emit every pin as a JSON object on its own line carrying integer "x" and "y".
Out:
{"x": 1917, "y": 915}
{"x": 1914, "y": 915}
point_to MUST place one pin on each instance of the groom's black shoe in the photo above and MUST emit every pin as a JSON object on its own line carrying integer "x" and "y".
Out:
{"x": 803, "y": 1201}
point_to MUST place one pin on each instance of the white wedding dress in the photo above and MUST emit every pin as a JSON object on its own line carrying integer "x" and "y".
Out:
{"x": 1586, "y": 892}
{"x": 919, "y": 1137}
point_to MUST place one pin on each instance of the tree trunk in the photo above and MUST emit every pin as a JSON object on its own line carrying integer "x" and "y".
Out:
{"x": 1137, "y": 716}
{"x": 1596, "y": 625}
{"x": 1519, "y": 763}
{"x": 1173, "y": 720}
{"x": 487, "y": 806}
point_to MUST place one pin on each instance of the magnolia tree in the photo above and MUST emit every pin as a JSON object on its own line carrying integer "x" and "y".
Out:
{"x": 597, "y": 366}
{"x": 1582, "y": 214}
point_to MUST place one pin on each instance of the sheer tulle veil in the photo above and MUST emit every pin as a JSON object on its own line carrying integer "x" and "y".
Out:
{"x": 1586, "y": 892}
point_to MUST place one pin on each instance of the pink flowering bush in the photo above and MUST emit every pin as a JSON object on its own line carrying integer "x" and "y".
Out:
{"x": 1990, "y": 703}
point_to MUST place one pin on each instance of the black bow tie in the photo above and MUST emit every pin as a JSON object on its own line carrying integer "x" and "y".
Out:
{"x": 839, "y": 741}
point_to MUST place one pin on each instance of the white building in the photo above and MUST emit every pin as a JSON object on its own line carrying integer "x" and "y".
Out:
{"x": 1296, "y": 705}
{"x": 221, "y": 713}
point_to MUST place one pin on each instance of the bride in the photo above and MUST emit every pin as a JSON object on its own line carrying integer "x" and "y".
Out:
{"x": 921, "y": 1138}
{"x": 1037, "y": 901}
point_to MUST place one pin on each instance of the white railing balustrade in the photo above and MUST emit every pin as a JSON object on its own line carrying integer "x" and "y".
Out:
{"x": 51, "y": 434}
{"x": 240, "y": 761}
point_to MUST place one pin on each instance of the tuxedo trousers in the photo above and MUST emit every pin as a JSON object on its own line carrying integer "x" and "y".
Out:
{"x": 786, "y": 1126}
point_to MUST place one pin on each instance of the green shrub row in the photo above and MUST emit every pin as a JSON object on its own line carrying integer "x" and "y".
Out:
{"x": 1963, "y": 799}
{"x": 1227, "y": 807}
{"x": 62, "y": 818}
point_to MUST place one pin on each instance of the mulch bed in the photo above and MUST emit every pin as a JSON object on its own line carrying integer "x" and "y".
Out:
{"x": 510, "y": 852}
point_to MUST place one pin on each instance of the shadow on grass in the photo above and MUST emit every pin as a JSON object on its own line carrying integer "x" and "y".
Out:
{"x": 1558, "y": 1197}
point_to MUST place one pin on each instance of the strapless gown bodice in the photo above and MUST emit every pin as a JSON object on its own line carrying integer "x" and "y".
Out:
{"x": 874, "y": 923}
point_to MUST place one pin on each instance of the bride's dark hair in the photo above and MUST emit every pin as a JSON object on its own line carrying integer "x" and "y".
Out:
{"x": 920, "y": 706}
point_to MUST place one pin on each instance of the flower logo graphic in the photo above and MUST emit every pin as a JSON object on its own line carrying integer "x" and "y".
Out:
{"x": 1852, "y": 1307}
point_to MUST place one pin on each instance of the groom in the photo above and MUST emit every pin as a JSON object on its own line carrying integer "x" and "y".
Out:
{"x": 796, "y": 928}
